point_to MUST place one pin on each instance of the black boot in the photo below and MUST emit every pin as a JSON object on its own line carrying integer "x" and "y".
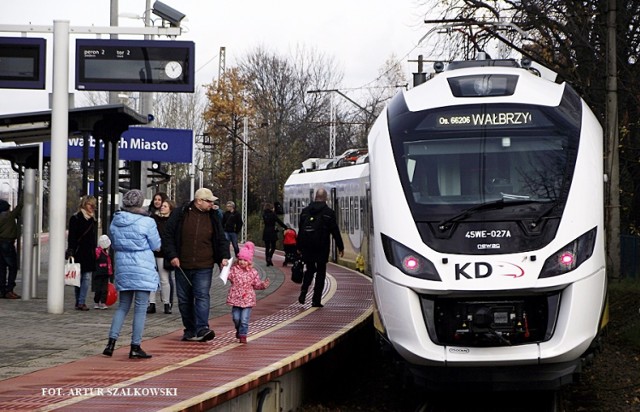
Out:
{"x": 151, "y": 308}
{"x": 137, "y": 353}
{"x": 302, "y": 297}
{"x": 111, "y": 345}
{"x": 167, "y": 308}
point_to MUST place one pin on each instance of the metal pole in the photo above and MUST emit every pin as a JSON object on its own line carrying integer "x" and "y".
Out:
{"x": 58, "y": 198}
{"x": 29, "y": 279}
{"x": 245, "y": 178}
{"x": 192, "y": 168}
{"x": 612, "y": 166}
{"x": 332, "y": 129}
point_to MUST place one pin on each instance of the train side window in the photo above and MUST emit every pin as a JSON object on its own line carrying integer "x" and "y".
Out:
{"x": 352, "y": 212}
{"x": 345, "y": 214}
{"x": 358, "y": 212}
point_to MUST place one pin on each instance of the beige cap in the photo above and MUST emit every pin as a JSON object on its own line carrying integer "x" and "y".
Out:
{"x": 205, "y": 194}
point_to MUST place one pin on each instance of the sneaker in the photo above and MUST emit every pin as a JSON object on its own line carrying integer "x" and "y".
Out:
{"x": 243, "y": 339}
{"x": 97, "y": 306}
{"x": 103, "y": 306}
{"x": 11, "y": 295}
{"x": 204, "y": 335}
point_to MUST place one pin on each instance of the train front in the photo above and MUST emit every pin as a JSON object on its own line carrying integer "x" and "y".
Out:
{"x": 488, "y": 260}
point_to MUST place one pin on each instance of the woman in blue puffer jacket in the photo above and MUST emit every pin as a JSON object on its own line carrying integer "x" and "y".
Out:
{"x": 134, "y": 238}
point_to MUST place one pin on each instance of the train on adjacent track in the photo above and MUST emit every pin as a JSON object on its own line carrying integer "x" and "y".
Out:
{"x": 478, "y": 209}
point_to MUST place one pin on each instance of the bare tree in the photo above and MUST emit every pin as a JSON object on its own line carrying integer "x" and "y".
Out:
{"x": 181, "y": 111}
{"x": 288, "y": 121}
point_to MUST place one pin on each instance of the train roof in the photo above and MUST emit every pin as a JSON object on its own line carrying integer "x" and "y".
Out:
{"x": 493, "y": 83}
{"x": 329, "y": 175}
{"x": 347, "y": 158}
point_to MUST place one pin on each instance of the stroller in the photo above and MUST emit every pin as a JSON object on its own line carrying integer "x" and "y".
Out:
{"x": 290, "y": 249}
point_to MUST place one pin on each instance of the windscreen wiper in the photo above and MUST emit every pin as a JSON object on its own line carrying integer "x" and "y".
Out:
{"x": 494, "y": 204}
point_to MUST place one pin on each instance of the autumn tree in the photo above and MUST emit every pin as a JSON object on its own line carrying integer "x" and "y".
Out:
{"x": 224, "y": 116}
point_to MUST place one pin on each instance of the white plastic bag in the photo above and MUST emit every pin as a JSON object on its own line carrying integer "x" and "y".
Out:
{"x": 72, "y": 273}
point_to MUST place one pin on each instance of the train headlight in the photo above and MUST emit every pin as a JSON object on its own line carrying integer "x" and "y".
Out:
{"x": 409, "y": 262}
{"x": 483, "y": 85}
{"x": 571, "y": 256}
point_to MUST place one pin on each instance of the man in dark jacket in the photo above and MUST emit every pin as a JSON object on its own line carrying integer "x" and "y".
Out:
{"x": 315, "y": 248}
{"x": 193, "y": 242}
{"x": 232, "y": 223}
{"x": 8, "y": 255}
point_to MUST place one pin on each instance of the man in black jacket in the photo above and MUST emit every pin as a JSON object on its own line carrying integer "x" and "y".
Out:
{"x": 193, "y": 242}
{"x": 232, "y": 224}
{"x": 314, "y": 243}
{"x": 8, "y": 254}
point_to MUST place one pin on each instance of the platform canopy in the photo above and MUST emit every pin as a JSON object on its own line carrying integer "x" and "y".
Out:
{"x": 105, "y": 122}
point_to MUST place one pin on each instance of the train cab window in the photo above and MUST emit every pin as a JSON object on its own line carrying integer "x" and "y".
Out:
{"x": 470, "y": 170}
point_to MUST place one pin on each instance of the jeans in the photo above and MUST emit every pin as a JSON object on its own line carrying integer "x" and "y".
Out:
{"x": 8, "y": 261}
{"x": 319, "y": 268}
{"x": 139, "y": 314}
{"x": 192, "y": 286}
{"x": 81, "y": 292}
{"x": 232, "y": 237}
{"x": 240, "y": 318}
{"x": 165, "y": 283}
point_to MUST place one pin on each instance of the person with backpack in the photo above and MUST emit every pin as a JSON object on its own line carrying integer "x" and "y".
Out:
{"x": 317, "y": 223}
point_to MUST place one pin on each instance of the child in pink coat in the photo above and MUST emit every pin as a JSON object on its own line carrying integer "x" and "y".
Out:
{"x": 244, "y": 279}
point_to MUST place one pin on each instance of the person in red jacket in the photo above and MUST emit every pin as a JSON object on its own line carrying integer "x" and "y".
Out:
{"x": 290, "y": 249}
{"x": 244, "y": 280}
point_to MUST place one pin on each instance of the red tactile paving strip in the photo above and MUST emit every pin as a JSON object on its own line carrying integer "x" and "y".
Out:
{"x": 283, "y": 335}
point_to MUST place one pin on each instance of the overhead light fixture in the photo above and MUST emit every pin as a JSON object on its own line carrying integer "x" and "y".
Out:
{"x": 173, "y": 16}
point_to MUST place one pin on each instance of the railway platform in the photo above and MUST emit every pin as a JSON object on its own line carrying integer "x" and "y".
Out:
{"x": 54, "y": 362}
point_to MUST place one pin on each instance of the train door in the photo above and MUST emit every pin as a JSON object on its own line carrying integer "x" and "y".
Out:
{"x": 367, "y": 229}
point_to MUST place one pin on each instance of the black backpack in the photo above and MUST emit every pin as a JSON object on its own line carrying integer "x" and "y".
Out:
{"x": 312, "y": 230}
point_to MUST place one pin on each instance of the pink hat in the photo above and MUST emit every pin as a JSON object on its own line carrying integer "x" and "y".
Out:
{"x": 246, "y": 252}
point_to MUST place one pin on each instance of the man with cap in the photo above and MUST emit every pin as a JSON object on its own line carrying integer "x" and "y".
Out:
{"x": 193, "y": 242}
{"x": 8, "y": 255}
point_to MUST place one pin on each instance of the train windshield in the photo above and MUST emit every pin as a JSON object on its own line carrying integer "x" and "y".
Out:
{"x": 455, "y": 158}
{"x": 474, "y": 170}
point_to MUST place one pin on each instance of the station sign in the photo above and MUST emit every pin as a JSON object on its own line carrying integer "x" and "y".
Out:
{"x": 22, "y": 63}
{"x": 135, "y": 65}
{"x": 140, "y": 144}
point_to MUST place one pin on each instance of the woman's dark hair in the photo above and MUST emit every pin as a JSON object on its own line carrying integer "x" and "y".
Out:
{"x": 162, "y": 195}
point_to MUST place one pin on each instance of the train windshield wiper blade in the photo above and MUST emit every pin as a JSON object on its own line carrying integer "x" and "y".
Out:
{"x": 494, "y": 204}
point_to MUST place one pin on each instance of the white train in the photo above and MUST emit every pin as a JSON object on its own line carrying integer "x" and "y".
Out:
{"x": 348, "y": 188}
{"x": 485, "y": 192}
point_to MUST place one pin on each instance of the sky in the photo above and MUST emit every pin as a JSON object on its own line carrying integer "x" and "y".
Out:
{"x": 360, "y": 34}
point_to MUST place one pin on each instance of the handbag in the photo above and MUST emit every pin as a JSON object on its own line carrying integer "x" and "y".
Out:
{"x": 72, "y": 273}
{"x": 112, "y": 294}
{"x": 297, "y": 271}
